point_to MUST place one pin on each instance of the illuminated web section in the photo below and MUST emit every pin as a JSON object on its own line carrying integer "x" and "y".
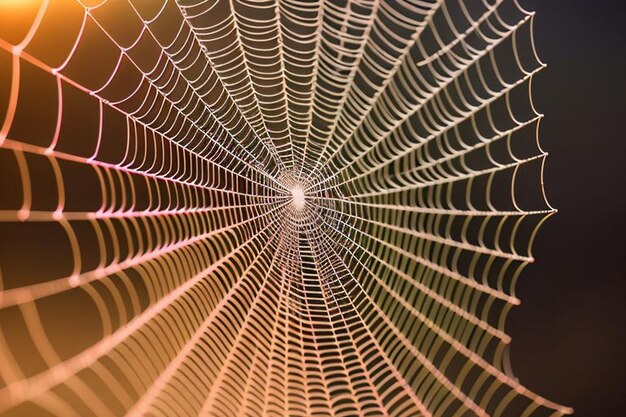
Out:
{"x": 238, "y": 208}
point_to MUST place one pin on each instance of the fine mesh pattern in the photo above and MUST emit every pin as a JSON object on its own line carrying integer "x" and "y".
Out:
{"x": 257, "y": 208}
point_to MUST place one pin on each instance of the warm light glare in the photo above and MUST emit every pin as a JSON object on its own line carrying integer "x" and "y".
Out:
{"x": 15, "y": 4}
{"x": 299, "y": 200}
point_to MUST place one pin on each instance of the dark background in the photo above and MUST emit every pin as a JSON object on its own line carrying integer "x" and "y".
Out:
{"x": 569, "y": 334}
{"x": 569, "y": 337}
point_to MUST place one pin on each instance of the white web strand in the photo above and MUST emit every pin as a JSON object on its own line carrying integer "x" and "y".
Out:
{"x": 288, "y": 208}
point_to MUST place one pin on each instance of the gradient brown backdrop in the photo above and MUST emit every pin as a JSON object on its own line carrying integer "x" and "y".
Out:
{"x": 570, "y": 331}
{"x": 569, "y": 334}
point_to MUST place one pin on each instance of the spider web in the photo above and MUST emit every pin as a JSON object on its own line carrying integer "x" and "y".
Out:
{"x": 300, "y": 208}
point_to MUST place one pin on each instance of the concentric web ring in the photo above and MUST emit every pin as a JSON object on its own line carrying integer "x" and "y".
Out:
{"x": 258, "y": 208}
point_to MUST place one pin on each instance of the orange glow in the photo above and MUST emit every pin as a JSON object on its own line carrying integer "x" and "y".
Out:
{"x": 16, "y": 18}
{"x": 13, "y": 5}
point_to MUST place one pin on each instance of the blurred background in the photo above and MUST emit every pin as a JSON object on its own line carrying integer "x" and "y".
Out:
{"x": 569, "y": 334}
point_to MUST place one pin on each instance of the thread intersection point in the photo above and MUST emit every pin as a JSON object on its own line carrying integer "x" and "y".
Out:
{"x": 298, "y": 197}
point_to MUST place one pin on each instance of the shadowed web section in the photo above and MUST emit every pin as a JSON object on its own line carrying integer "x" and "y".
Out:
{"x": 238, "y": 208}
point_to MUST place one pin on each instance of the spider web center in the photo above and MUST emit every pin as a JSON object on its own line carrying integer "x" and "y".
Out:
{"x": 298, "y": 197}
